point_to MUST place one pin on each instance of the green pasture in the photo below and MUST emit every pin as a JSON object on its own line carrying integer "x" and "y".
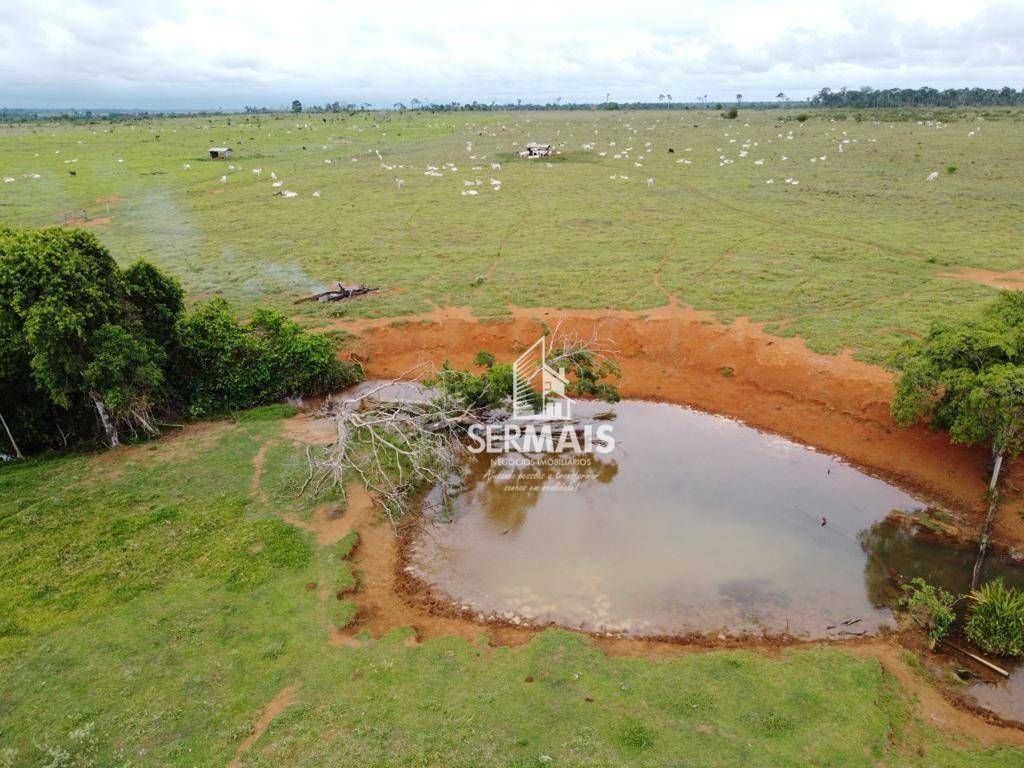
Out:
{"x": 851, "y": 257}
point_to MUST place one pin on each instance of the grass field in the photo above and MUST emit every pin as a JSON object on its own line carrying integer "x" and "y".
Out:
{"x": 154, "y": 602}
{"x": 851, "y": 257}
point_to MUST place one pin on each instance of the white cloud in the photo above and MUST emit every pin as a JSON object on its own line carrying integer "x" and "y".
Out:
{"x": 181, "y": 53}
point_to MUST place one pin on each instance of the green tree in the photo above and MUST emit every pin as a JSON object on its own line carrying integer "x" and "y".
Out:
{"x": 85, "y": 344}
{"x": 222, "y": 364}
{"x": 65, "y": 305}
{"x": 125, "y": 375}
{"x": 968, "y": 378}
{"x": 156, "y": 299}
{"x": 296, "y": 106}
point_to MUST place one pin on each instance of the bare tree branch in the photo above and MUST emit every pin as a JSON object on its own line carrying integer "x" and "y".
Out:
{"x": 397, "y": 447}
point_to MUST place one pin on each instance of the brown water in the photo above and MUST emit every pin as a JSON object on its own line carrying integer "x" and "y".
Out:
{"x": 695, "y": 523}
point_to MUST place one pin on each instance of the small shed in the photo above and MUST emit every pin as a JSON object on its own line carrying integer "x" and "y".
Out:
{"x": 536, "y": 150}
{"x": 221, "y": 153}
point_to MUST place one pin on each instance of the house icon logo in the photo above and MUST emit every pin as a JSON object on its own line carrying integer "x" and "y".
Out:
{"x": 538, "y": 390}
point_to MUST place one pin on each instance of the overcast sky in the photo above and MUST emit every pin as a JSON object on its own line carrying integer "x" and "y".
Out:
{"x": 223, "y": 53}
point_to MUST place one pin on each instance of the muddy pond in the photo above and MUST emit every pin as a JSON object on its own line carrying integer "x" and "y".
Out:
{"x": 693, "y": 524}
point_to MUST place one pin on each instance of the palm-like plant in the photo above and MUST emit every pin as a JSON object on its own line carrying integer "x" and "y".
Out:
{"x": 997, "y": 619}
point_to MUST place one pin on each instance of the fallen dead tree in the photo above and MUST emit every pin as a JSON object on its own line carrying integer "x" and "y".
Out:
{"x": 338, "y": 293}
{"x": 398, "y": 447}
{"x": 393, "y": 448}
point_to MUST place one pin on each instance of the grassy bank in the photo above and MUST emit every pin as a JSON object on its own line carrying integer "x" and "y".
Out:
{"x": 153, "y": 601}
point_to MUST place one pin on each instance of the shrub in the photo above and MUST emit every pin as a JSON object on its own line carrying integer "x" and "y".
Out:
{"x": 636, "y": 737}
{"x": 157, "y": 300}
{"x": 223, "y": 364}
{"x": 489, "y": 389}
{"x": 931, "y": 607}
{"x": 731, "y": 114}
{"x": 220, "y": 365}
{"x": 302, "y": 363}
{"x": 802, "y": 117}
{"x": 951, "y": 169}
{"x": 996, "y": 624}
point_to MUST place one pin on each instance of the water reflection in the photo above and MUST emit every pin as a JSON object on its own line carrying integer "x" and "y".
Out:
{"x": 896, "y": 555}
{"x": 504, "y": 489}
{"x": 694, "y": 523}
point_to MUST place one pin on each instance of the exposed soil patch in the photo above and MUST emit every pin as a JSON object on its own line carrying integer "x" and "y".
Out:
{"x": 329, "y": 524}
{"x": 381, "y": 603}
{"x": 948, "y": 714}
{"x": 96, "y": 222}
{"x": 307, "y": 429}
{"x": 275, "y": 707}
{"x": 108, "y": 199}
{"x": 257, "y": 471}
{"x": 1012, "y": 280}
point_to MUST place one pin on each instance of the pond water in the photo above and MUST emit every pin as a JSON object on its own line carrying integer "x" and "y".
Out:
{"x": 693, "y": 524}
{"x": 892, "y": 550}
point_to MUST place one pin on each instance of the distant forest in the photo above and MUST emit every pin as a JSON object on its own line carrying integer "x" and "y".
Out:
{"x": 865, "y": 97}
{"x": 919, "y": 97}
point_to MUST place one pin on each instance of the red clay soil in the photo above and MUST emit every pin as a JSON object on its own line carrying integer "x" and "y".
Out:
{"x": 683, "y": 356}
{"x": 382, "y": 607}
{"x": 274, "y": 707}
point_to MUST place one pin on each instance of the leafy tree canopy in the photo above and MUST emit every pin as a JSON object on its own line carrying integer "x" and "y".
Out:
{"x": 968, "y": 377}
{"x": 86, "y": 345}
